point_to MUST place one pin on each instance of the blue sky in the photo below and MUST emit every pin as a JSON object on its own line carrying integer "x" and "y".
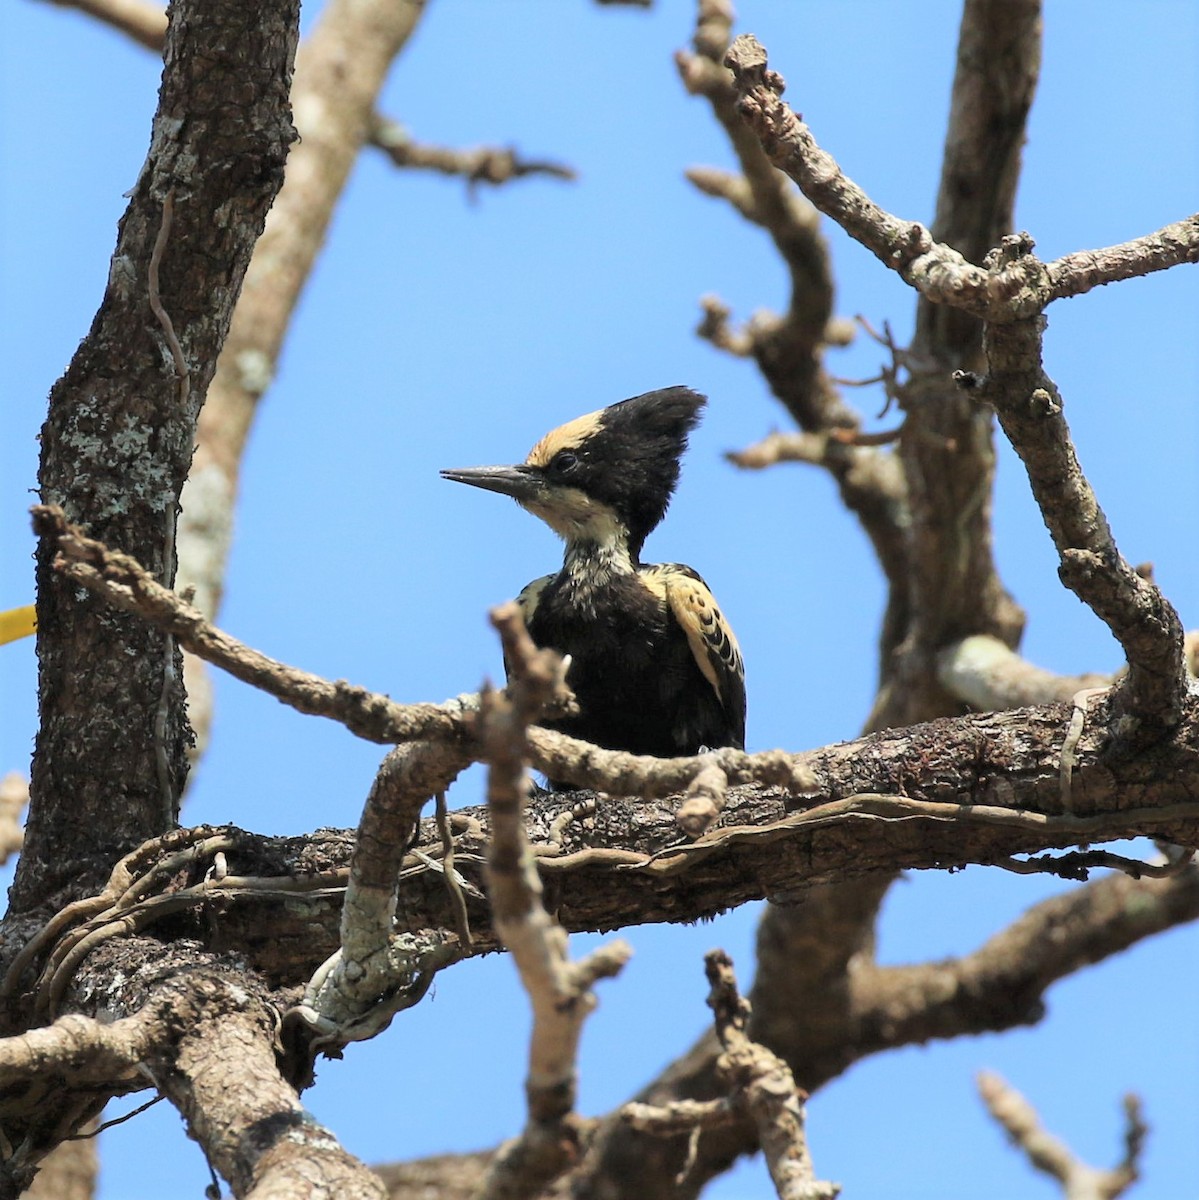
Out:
{"x": 438, "y": 331}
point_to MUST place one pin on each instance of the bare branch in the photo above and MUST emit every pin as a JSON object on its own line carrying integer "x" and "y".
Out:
{"x": 355, "y": 994}
{"x": 788, "y": 349}
{"x": 127, "y": 585}
{"x": 704, "y": 802}
{"x": 559, "y": 990}
{"x": 14, "y": 795}
{"x": 1079, "y": 1181}
{"x": 1075, "y": 274}
{"x": 144, "y": 23}
{"x": 220, "y": 1070}
{"x": 483, "y": 164}
{"x": 982, "y": 671}
{"x": 994, "y": 83}
{"x": 716, "y": 328}
{"x": 1013, "y": 289}
{"x": 1008, "y": 292}
{"x": 127, "y": 489}
{"x": 1030, "y": 410}
{"x": 82, "y": 1052}
{"x": 1002, "y": 983}
{"x": 763, "y": 1085}
{"x": 334, "y": 108}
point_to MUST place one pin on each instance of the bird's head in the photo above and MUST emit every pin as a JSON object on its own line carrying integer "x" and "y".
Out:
{"x": 606, "y": 477}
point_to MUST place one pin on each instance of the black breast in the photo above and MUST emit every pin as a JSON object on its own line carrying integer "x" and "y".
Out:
{"x": 637, "y": 682}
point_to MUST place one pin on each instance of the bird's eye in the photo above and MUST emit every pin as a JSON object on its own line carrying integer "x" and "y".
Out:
{"x": 564, "y": 462}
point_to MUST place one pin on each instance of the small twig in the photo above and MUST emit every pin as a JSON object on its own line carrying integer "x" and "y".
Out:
{"x": 811, "y": 448}
{"x": 558, "y": 989}
{"x": 1077, "y": 864}
{"x": 704, "y": 801}
{"x": 492, "y": 165}
{"x": 127, "y": 585}
{"x": 716, "y": 328}
{"x": 763, "y": 1087}
{"x": 1045, "y": 1152}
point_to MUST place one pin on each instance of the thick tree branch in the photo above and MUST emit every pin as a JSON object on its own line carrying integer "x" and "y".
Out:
{"x": 116, "y": 444}
{"x": 79, "y": 1052}
{"x": 981, "y": 789}
{"x": 216, "y": 1062}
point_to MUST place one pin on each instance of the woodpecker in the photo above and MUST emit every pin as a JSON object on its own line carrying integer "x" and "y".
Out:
{"x": 653, "y": 663}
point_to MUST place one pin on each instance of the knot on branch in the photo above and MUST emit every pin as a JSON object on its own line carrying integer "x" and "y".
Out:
{"x": 746, "y": 59}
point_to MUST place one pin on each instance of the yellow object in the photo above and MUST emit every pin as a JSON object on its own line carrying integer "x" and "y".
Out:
{"x": 17, "y": 623}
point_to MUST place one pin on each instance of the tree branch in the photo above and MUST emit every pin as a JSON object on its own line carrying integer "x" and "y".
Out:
{"x": 1077, "y": 273}
{"x": 1079, "y": 1181}
{"x": 116, "y": 444}
{"x": 984, "y": 673}
{"x": 14, "y": 796}
{"x": 374, "y": 974}
{"x": 1141, "y": 618}
{"x": 558, "y": 989}
{"x": 1008, "y": 292}
{"x": 216, "y": 1063}
{"x": 145, "y": 23}
{"x": 484, "y": 164}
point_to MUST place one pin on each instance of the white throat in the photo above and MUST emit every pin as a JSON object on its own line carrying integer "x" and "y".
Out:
{"x": 590, "y": 566}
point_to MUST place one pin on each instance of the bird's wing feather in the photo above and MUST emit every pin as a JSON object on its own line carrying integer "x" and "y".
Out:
{"x": 529, "y": 596}
{"x": 712, "y": 642}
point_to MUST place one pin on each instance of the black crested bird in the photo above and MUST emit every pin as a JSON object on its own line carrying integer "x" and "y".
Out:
{"x": 655, "y": 668}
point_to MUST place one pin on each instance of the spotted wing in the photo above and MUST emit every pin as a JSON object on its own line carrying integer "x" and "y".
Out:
{"x": 709, "y": 635}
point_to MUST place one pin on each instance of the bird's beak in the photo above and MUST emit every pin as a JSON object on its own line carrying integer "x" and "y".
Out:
{"x": 520, "y": 482}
